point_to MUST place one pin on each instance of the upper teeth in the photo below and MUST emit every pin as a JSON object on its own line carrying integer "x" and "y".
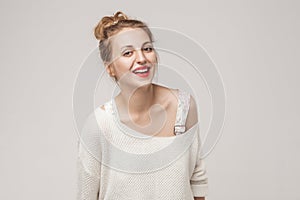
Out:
{"x": 141, "y": 70}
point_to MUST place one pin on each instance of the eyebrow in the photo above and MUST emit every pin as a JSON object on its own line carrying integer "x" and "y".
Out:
{"x": 131, "y": 45}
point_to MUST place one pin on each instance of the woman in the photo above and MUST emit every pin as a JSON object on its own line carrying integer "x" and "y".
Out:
{"x": 138, "y": 161}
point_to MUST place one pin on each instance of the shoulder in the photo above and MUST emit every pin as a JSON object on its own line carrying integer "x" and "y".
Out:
{"x": 192, "y": 117}
{"x": 94, "y": 120}
{"x": 90, "y": 125}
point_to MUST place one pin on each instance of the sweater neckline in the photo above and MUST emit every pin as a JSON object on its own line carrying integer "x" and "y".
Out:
{"x": 134, "y": 133}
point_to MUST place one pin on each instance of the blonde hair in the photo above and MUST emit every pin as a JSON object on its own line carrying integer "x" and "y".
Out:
{"x": 111, "y": 25}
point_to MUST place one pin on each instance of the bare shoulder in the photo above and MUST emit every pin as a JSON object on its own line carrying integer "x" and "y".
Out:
{"x": 192, "y": 117}
{"x": 169, "y": 98}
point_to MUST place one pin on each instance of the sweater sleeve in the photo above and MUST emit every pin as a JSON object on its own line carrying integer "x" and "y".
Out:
{"x": 199, "y": 179}
{"x": 88, "y": 161}
{"x": 88, "y": 181}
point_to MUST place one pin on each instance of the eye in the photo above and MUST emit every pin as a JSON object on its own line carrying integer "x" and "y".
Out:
{"x": 127, "y": 53}
{"x": 148, "y": 49}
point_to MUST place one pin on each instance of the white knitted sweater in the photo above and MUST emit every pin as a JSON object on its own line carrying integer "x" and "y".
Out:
{"x": 116, "y": 162}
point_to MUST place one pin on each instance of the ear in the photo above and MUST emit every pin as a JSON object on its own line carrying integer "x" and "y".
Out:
{"x": 109, "y": 69}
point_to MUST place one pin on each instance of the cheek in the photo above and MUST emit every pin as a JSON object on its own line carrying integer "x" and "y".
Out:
{"x": 152, "y": 57}
{"x": 123, "y": 64}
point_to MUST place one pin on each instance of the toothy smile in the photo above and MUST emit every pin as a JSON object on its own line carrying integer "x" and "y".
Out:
{"x": 141, "y": 70}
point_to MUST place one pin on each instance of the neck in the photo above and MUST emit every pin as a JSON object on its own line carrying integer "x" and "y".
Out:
{"x": 138, "y": 101}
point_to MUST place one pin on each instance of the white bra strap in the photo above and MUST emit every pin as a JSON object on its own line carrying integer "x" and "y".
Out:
{"x": 182, "y": 111}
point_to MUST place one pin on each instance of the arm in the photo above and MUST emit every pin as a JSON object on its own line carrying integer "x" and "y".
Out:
{"x": 88, "y": 181}
{"x": 88, "y": 164}
{"x": 199, "y": 180}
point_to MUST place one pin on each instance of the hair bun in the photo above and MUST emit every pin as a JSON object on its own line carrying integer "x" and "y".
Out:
{"x": 106, "y": 22}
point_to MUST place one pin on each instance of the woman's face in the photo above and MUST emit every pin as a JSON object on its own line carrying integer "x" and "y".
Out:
{"x": 133, "y": 57}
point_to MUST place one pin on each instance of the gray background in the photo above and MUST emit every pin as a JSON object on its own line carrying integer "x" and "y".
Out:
{"x": 255, "y": 45}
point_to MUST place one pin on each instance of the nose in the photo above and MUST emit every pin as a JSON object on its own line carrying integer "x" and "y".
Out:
{"x": 140, "y": 57}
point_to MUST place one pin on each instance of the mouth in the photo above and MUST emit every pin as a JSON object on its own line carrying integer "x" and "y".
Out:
{"x": 142, "y": 71}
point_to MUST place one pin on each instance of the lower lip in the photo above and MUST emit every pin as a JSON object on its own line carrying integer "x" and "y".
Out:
{"x": 143, "y": 75}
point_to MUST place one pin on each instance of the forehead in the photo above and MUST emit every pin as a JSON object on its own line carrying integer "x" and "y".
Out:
{"x": 128, "y": 36}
